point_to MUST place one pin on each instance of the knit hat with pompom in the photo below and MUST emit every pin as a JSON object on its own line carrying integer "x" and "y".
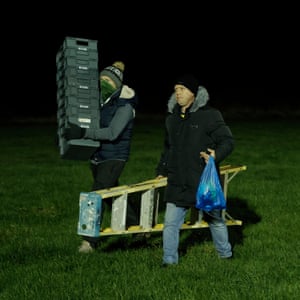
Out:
{"x": 115, "y": 73}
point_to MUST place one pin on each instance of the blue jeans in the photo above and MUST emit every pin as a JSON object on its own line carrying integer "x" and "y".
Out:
{"x": 174, "y": 218}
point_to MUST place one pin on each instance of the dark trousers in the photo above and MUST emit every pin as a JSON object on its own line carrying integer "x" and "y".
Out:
{"x": 106, "y": 175}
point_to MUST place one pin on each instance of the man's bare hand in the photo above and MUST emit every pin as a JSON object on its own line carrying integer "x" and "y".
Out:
{"x": 205, "y": 155}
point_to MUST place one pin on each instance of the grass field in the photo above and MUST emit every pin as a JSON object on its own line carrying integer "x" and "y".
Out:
{"x": 39, "y": 213}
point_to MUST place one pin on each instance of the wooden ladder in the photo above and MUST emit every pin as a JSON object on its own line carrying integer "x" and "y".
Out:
{"x": 150, "y": 191}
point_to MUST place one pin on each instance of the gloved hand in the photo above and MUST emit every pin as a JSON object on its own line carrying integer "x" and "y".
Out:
{"x": 74, "y": 132}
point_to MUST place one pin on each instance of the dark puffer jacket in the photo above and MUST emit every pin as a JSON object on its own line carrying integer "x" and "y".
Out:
{"x": 117, "y": 120}
{"x": 202, "y": 127}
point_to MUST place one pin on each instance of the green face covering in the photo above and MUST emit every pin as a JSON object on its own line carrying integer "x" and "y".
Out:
{"x": 106, "y": 89}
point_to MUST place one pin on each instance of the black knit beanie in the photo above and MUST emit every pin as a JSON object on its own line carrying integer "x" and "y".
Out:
{"x": 189, "y": 81}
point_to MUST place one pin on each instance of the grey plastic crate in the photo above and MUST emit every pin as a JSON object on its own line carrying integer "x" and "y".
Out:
{"x": 78, "y": 73}
{"x": 88, "y": 103}
{"x": 77, "y": 54}
{"x": 79, "y": 63}
{"x": 78, "y": 82}
{"x": 80, "y": 43}
{"x": 82, "y": 92}
{"x": 80, "y": 149}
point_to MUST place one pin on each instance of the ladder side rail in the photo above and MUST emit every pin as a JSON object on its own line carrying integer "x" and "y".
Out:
{"x": 232, "y": 176}
{"x": 155, "y": 183}
{"x": 107, "y": 193}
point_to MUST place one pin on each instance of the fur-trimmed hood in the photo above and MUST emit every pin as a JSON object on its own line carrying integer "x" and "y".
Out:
{"x": 201, "y": 100}
{"x": 125, "y": 93}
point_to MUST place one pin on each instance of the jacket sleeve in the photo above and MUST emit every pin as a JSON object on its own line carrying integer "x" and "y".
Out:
{"x": 222, "y": 137}
{"x": 122, "y": 117}
{"x": 162, "y": 167}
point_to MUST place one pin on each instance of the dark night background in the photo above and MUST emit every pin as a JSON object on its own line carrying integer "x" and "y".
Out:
{"x": 246, "y": 56}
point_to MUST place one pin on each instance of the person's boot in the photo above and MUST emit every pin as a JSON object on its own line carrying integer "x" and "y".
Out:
{"x": 86, "y": 247}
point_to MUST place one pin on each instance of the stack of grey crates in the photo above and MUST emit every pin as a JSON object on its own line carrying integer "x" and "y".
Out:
{"x": 77, "y": 81}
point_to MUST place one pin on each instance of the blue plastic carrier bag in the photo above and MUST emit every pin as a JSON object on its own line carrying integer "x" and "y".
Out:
{"x": 89, "y": 214}
{"x": 209, "y": 193}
